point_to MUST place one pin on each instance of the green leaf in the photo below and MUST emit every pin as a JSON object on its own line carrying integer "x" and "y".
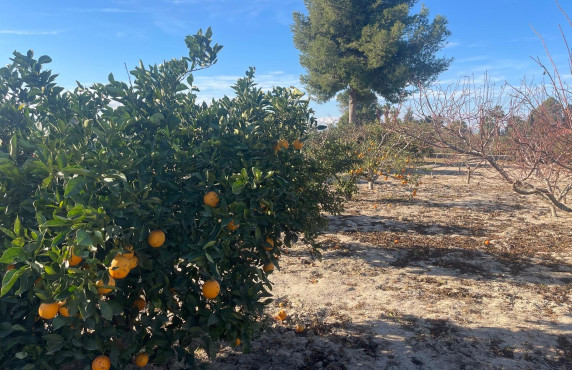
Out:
{"x": 212, "y": 319}
{"x": 106, "y": 310}
{"x": 74, "y": 186}
{"x": 19, "y": 242}
{"x": 77, "y": 170}
{"x": 47, "y": 181}
{"x": 8, "y": 232}
{"x": 83, "y": 238}
{"x": 208, "y": 256}
{"x": 209, "y": 244}
{"x": 12, "y": 255}
{"x": 17, "y": 227}
{"x": 157, "y": 118}
{"x": 60, "y": 321}
{"x": 237, "y": 186}
{"x": 6, "y": 329}
{"x": 54, "y": 342}
{"x": 9, "y": 280}
{"x": 98, "y": 237}
{"x": 58, "y": 239}
{"x": 64, "y": 295}
{"x": 257, "y": 173}
{"x": 89, "y": 344}
{"x": 58, "y": 222}
{"x": 14, "y": 147}
{"x": 44, "y": 59}
{"x": 49, "y": 270}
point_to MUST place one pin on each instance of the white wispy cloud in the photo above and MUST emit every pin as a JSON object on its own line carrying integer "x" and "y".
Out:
{"x": 30, "y": 32}
{"x": 231, "y": 10}
{"x": 102, "y": 10}
{"x": 452, "y": 44}
{"x": 478, "y": 44}
{"x": 327, "y": 121}
{"x": 474, "y": 58}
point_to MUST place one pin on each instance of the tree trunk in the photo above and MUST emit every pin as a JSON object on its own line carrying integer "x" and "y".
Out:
{"x": 352, "y": 107}
{"x": 370, "y": 185}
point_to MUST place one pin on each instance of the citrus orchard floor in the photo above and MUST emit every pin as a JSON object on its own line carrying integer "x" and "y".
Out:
{"x": 439, "y": 298}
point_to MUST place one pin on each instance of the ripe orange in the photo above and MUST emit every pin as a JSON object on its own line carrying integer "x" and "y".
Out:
{"x": 487, "y": 242}
{"x": 211, "y": 199}
{"x": 300, "y": 328}
{"x": 156, "y": 238}
{"x": 120, "y": 267}
{"x": 282, "y": 143}
{"x": 74, "y": 260}
{"x": 237, "y": 342}
{"x": 211, "y": 289}
{"x": 268, "y": 267}
{"x": 271, "y": 242}
{"x": 129, "y": 253}
{"x": 281, "y": 315}
{"x": 140, "y": 304}
{"x": 101, "y": 362}
{"x": 133, "y": 261}
{"x": 396, "y": 241}
{"x": 231, "y": 226}
{"x": 297, "y": 144}
{"x": 141, "y": 360}
{"x": 48, "y": 310}
{"x": 100, "y": 284}
{"x": 63, "y": 310}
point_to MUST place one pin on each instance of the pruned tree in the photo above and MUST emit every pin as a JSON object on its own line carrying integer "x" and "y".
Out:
{"x": 523, "y": 132}
{"x": 366, "y": 47}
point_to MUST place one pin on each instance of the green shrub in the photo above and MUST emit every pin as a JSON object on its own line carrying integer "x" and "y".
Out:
{"x": 97, "y": 169}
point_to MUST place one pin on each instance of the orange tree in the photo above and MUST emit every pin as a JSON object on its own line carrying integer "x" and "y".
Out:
{"x": 105, "y": 212}
{"x": 384, "y": 154}
{"x": 368, "y": 152}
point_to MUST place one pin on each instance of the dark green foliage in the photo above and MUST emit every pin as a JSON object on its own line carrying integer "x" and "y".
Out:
{"x": 368, "y": 46}
{"x": 96, "y": 169}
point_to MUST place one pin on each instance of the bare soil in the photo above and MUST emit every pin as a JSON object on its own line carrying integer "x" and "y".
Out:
{"x": 409, "y": 283}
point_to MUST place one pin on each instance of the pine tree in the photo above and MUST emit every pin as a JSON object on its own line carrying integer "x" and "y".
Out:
{"x": 363, "y": 47}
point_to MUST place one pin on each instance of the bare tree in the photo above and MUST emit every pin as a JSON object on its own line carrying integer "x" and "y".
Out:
{"x": 526, "y": 140}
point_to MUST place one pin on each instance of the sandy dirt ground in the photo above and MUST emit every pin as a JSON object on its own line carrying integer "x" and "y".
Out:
{"x": 409, "y": 283}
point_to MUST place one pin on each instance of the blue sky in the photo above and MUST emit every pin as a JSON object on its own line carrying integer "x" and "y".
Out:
{"x": 89, "y": 39}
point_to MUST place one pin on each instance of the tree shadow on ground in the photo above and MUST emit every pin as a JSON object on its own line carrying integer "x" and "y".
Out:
{"x": 399, "y": 341}
{"x": 445, "y": 255}
{"x": 480, "y": 206}
{"x": 356, "y": 223}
